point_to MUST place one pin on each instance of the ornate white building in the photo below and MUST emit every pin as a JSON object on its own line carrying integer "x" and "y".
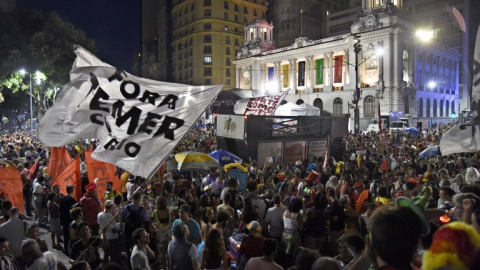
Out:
{"x": 406, "y": 77}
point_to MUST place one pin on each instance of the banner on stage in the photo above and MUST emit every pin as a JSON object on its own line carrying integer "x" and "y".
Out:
{"x": 136, "y": 120}
{"x": 262, "y": 105}
{"x": 317, "y": 148}
{"x": 231, "y": 126}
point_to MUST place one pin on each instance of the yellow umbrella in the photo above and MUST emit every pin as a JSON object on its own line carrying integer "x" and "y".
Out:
{"x": 192, "y": 161}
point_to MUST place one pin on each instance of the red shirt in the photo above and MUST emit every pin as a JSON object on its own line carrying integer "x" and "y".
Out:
{"x": 251, "y": 246}
{"x": 90, "y": 209}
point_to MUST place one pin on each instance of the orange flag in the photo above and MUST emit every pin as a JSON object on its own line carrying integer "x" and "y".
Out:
{"x": 32, "y": 172}
{"x": 104, "y": 172}
{"x": 59, "y": 159}
{"x": 70, "y": 175}
{"x": 11, "y": 187}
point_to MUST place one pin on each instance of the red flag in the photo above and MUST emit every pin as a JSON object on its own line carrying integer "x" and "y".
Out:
{"x": 104, "y": 172}
{"x": 11, "y": 187}
{"x": 383, "y": 166}
{"x": 32, "y": 172}
{"x": 70, "y": 175}
{"x": 59, "y": 159}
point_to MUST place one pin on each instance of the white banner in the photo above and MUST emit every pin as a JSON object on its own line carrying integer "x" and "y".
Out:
{"x": 466, "y": 138}
{"x": 264, "y": 105}
{"x": 137, "y": 121}
{"x": 317, "y": 148}
{"x": 231, "y": 126}
{"x": 458, "y": 139}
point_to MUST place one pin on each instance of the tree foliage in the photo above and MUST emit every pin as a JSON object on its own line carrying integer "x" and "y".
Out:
{"x": 36, "y": 41}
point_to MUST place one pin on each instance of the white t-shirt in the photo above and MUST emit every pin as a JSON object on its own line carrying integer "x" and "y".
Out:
{"x": 47, "y": 262}
{"x": 103, "y": 219}
{"x": 130, "y": 187}
{"x": 37, "y": 188}
{"x": 275, "y": 219}
{"x": 257, "y": 263}
{"x": 139, "y": 259}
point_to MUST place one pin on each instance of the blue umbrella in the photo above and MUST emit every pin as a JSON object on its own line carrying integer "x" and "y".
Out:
{"x": 225, "y": 157}
{"x": 430, "y": 151}
{"x": 413, "y": 130}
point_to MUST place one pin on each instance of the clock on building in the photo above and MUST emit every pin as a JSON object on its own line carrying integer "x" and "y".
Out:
{"x": 246, "y": 74}
{"x": 370, "y": 21}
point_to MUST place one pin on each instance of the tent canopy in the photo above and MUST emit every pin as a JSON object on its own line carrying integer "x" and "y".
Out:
{"x": 292, "y": 109}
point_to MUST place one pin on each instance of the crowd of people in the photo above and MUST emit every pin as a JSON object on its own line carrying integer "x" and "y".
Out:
{"x": 373, "y": 205}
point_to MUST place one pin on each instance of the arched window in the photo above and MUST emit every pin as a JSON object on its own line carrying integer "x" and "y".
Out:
{"x": 428, "y": 107}
{"x": 371, "y": 61}
{"x": 319, "y": 104}
{"x": 369, "y": 107}
{"x": 435, "y": 106}
{"x": 447, "y": 108}
{"x": 420, "y": 108}
{"x": 338, "y": 107}
{"x": 452, "y": 106}
{"x": 300, "y": 101}
{"x": 441, "y": 108}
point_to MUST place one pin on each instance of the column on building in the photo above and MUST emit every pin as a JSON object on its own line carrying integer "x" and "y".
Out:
{"x": 263, "y": 77}
{"x": 411, "y": 64}
{"x": 255, "y": 77}
{"x": 346, "y": 74}
{"x": 380, "y": 66}
{"x": 238, "y": 76}
{"x": 398, "y": 72}
{"x": 278, "y": 76}
{"x": 329, "y": 81}
{"x": 310, "y": 74}
{"x": 293, "y": 73}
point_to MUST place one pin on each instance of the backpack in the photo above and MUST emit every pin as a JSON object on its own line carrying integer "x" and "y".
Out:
{"x": 133, "y": 221}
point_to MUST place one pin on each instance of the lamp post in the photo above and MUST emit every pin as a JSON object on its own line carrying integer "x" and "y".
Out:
{"x": 23, "y": 72}
{"x": 356, "y": 97}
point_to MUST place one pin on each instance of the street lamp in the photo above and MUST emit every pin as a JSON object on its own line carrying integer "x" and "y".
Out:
{"x": 23, "y": 72}
{"x": 357, "y": 48}
{"x": 356, "y": 97}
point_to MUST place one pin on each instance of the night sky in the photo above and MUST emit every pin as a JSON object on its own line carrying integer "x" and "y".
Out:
{"x": 113, "y": 24}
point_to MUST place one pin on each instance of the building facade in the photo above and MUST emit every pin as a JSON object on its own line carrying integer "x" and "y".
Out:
{"x": 394, "y": 70}
{"x": 156, "y": 56}
{"x": 302, "y": 18}
{"x": 206, "y": 36}
{"x": 454, "y": 23}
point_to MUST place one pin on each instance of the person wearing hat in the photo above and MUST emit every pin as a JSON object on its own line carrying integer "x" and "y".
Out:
{"x": 358, "y": 188}
{"x": 252, "y": 245}
{"x": 91, "y": 207}
{"x": 109, "y": 233}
